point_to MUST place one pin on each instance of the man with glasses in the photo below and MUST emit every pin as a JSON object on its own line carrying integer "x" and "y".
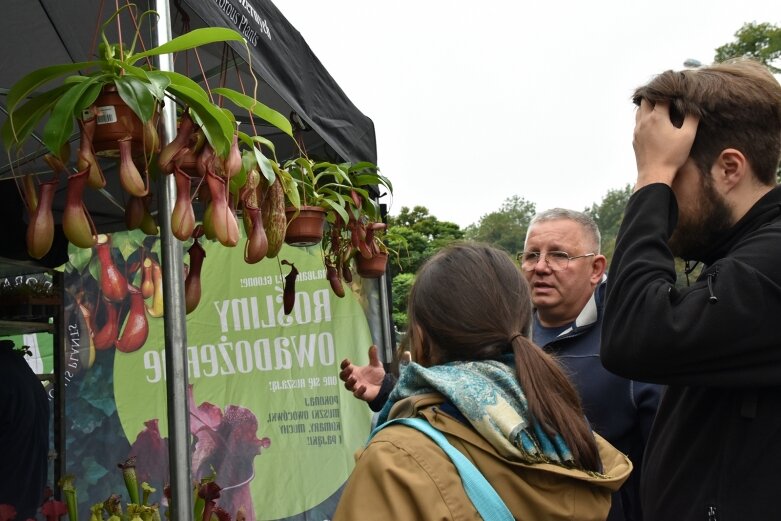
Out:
{"x": 566, "y": 273}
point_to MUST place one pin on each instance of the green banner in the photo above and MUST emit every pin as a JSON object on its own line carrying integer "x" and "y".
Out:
{"x": 269, "y": 416}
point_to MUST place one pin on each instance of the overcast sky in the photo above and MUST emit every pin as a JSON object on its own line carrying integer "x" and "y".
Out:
{"x": 473, "y": 102}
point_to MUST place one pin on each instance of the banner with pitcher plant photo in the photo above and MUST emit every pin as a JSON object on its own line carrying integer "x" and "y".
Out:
{"x": 271, "y": 422}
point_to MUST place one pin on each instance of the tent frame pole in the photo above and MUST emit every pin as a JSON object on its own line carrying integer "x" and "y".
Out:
{"x": 174, "y": 321}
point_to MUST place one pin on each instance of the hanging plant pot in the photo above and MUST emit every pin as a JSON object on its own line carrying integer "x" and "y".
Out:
{"x": 371, "y": 268}
{"x": 115, "y": 121}
{"x": 306, "y": 228}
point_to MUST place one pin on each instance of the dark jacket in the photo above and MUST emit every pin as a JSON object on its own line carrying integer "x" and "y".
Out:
{"x": 620, "y": 410}
{"x": 24, "y": 434}
{"x": 715, "y": 445}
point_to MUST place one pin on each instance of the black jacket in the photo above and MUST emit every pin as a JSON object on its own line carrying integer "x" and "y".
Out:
{"x": 24, "y": 434}
{"x": 715, "y": 445}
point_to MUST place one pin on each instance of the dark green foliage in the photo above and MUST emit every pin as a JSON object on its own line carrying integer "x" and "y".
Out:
{"x": 401, "y": 286}
{"x": 608, "y": 215}
{"x": 761, "y": 41}
{"x": 424, "y": 235}
{"x": 506, "y": 227}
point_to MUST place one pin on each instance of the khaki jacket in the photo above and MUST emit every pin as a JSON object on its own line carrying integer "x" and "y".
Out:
{"x": 402, "y": 475}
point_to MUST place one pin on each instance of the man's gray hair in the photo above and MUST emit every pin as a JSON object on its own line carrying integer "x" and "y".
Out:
{"x": 583, "y": 219}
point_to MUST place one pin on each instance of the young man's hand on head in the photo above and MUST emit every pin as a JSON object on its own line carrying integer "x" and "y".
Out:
{"x": 661, "y": 148}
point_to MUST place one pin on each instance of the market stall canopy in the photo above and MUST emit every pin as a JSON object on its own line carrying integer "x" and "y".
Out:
{"x": 290, "y": 78}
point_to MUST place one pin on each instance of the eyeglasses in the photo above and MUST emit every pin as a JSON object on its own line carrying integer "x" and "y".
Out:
{"x": 556, "y": 260}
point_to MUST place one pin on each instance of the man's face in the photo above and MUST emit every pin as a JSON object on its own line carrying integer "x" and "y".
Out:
{"x": 559, "y": 296}
{"x": 703, "y": 214}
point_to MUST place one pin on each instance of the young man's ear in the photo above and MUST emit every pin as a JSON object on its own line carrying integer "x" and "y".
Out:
{"x": 730, "y": 169}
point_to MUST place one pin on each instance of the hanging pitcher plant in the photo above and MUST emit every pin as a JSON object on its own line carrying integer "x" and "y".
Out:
{"x": 137, "y": 83}
{"x": 115, "y": 101}
{"x": 113, "y": 104}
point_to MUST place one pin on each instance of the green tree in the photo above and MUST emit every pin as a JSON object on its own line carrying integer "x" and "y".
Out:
{"x": 416, "y": 235}
{"x": 506, "y": 227}
{"x": 421, "y": 234}
{"x": 761, "y": 41}
{"x": 608, "y": 215}
{"x": 400, "y": 288}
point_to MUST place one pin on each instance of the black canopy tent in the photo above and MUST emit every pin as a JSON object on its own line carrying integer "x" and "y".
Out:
{"x": 291, "y": 80}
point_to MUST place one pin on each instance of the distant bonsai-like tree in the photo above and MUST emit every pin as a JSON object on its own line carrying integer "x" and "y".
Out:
{"x": 761, "y": 41}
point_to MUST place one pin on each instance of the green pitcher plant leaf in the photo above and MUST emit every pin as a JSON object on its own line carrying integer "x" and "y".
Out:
{"x": 267, "y": 143}
{"x": 20, "y": 123}
{"x": 32, "y": 81}
{"x": 325, "y": 169}
{"x": 191, "y": 40}
{"x": 257, "y": 108}
{"x": 372, "y": 180}
{"x": 248, "y": 160}
{"x": 361, "y": 165}
{"x": 244, "y": 138}
{"x": 137, "y": 95}
{"x": 255, "y": 158}
{"x": 214, "y": 123}
{"x": 237, "y": 181}
{"x": 372, "y": 209}
{"x": 338, "y": 208}
{"x": 265, "y": 165}
{"x": 59, "y": 127}
{"x": 158, "y": 83}
{"x": 180, "y": 80}
{"x": 289, "y": 186}
{"x": 155, "y": 81}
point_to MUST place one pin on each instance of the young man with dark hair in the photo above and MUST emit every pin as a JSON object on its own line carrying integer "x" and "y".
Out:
{"x": 707, "y": 143}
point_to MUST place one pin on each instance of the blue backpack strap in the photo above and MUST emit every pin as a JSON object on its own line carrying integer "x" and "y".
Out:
{"x": 483, "y": 496}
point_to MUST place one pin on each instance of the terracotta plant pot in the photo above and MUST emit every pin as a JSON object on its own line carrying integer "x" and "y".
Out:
{"x": 115, "y": 121}
{"x": 372, "y": 268}
{"x": 306, "y": 228}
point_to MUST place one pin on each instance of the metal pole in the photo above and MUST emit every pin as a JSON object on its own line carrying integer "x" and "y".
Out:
{"x": 385, "y": 321}
{"x": 175, "y": 326}
{"x": 58, "y": 400}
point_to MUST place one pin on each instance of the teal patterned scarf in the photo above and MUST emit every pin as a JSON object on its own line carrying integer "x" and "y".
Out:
{"x": 487, "y": 393}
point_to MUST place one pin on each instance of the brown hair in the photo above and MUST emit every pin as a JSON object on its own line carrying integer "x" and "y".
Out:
{"x": 471, "y": 302}
{"x": 739, "y": 106}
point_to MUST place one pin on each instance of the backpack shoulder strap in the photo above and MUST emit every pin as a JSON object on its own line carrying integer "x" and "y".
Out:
{"x": 483, "y": 496}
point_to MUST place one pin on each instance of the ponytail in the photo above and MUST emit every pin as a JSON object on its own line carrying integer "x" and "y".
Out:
{"x": 559, "y": 411}
{"x": 470, "y": 302}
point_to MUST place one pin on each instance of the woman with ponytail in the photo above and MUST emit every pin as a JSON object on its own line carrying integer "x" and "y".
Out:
{"x": 498, "y": 399}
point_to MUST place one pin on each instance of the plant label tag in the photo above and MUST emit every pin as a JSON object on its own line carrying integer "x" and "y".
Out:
{"x": 106, "y": 115}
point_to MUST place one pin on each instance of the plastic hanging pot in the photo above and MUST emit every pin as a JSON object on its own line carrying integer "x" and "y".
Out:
{"x": 115, "y": 121}
{"x": 306, "y": 228}
{"x": 371, "y": 268}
